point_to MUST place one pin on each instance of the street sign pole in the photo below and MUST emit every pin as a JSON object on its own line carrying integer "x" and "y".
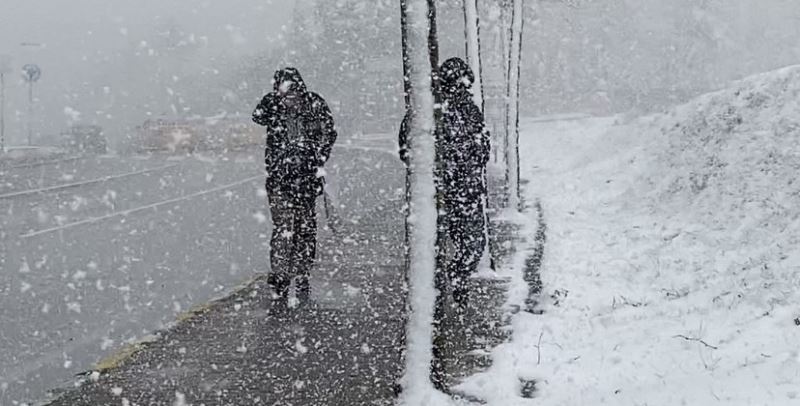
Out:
{"x": 5, "y": 67}
{"x": 30, "y": 113}
{"x": 2, "y": 112}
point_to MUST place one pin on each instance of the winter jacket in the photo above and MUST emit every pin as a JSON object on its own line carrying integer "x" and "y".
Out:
{"x": 462, "y": 142}
{"x": 300, "y": 136}
{"x": 462, "y": 147}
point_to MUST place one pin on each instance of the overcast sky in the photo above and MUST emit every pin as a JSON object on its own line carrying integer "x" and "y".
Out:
{"x": 105, "y": 59}
{"x": 72, "y": 28}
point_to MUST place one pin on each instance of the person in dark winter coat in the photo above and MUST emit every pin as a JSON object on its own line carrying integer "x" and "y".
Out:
{"x": 462, "y": 151}
{"x": 300, "y": 136}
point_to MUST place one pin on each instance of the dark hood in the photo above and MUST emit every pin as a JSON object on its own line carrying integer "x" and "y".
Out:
{"x": 290, "y": 75}
{"x": 455, "y": 76}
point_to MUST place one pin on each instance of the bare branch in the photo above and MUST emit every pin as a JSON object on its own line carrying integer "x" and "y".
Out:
{"x": 539, "y": 349}
{"x": 696, "y": 339}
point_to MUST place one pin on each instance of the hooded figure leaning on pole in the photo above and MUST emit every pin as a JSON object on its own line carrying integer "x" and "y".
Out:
{"x": 462, "y": 152}
{"x": 300, "y": 136}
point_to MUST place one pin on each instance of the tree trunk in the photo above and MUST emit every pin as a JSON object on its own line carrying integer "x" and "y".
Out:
{"x": 433, "y": 54}
{"x": 422, "y": 207}
{"x": 472, "y": 38}
{"x": 472, "y": 32}
{"x": 440, "y": 281}
{"x": 433, "y": 43}
{"x": 512, "y": 119}
{"x": 504, "y": 47}
{"x": 406, "y": 62}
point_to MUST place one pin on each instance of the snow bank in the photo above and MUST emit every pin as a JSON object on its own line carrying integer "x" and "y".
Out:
{"x": 16, "y": 156}
{"x": 671, "y": 271}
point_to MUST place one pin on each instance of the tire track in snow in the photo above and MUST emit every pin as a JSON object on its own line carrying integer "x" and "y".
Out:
{"x": 153, "y": 206}
{"x": 43, "y": 163}
{"x": 82, "y": 183}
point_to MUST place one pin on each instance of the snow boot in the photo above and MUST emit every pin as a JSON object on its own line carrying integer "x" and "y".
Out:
{"x": 302, "y": 289}
{"x": 461, "y": 294}
{"x": 279, "y": 293}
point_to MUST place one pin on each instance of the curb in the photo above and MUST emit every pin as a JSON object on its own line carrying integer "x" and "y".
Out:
{"x": 533, "y": 263}
{"x": 118, "y": 358}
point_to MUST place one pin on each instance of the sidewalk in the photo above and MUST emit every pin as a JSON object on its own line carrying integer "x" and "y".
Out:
{"x": 466, "y": 346}
{"x": 345, "y": 349}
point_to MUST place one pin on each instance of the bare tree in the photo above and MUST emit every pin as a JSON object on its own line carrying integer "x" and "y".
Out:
{"x": 472, "y": 33}
{"x": 499, "y": 58}
{"x": 512, "y": 110}
{"x": 421, "y": 221}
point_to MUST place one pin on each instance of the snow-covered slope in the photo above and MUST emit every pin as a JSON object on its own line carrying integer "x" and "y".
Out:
{"x": 672, "y": 265}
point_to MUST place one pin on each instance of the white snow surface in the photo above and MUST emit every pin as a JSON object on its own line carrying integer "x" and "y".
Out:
{"x": 671, "y": 270}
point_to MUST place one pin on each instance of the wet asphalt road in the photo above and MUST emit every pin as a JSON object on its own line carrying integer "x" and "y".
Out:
{"x": 98, "y": 251}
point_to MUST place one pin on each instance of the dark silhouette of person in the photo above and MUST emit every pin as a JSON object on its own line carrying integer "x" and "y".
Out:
{"x": 462, "y": 152}
{"x": 300, "y": 136}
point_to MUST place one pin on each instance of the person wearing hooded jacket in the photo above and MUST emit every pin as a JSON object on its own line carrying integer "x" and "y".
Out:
{"x": 300, "y": 135}
{"x": 462, "y": 151}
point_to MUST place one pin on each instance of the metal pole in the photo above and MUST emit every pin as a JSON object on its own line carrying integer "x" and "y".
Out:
{"x": 2, "y": 113}
{"x": 30, "y": 113}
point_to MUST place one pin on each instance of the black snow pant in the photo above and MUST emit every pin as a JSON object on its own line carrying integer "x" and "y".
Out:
{"x": 462, "y": 221}
{"x": 294, "y": 240}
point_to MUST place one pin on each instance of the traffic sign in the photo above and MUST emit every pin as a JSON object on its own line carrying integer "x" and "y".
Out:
{"x": 31, "y": 72}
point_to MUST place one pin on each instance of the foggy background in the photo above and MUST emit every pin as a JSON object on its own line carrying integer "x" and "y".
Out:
{"x": 117, "y": 63}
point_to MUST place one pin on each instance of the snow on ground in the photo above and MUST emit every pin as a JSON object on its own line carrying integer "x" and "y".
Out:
{"x": 672, "y": 270}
